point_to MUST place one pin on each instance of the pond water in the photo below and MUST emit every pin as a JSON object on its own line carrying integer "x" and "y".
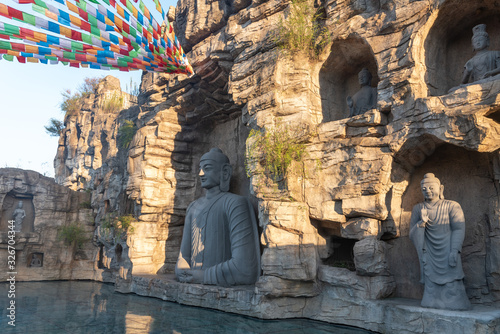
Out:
{"x": 92, "y": 307}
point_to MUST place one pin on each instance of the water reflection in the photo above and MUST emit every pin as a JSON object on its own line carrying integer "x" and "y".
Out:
{"x": 91, "y": 307}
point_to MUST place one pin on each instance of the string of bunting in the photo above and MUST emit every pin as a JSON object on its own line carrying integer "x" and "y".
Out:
{"x": 117, "y": 36}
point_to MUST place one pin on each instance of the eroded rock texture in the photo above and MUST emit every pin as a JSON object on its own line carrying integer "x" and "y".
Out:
{"x": 91, "y": 158}
{"x": 348, "y": 203}
{"x": 40, "y": 254}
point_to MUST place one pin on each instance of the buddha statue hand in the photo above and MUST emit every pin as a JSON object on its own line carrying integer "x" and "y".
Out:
{"x": 491, "y": 73}
{"x": 486, "y": 75}
{"x": 190, "y": 275}
{"x": 350, "y": 103}
{"x": 425, "y": 218}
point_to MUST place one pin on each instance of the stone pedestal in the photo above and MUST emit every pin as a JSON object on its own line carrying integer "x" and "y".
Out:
{"x": 393, "y": 315}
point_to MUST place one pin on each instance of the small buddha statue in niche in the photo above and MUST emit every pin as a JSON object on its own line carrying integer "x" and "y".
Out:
{"x": 19, "y": 214}
{"x": 366, "y": 98}
{"x": 485, "y": 63}
{"x": 437, "y": 229}
{"x": 220, "y": 243}
{"x": 35, "y": 261}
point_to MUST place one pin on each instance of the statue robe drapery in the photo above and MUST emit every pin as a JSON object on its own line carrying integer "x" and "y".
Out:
{"x": 220, "y": 237}
{"x": 435, "y": 242}
{"x": 444, "y": 233}
{"x": 482, "y": 63}
{"x": 364, "y": 100}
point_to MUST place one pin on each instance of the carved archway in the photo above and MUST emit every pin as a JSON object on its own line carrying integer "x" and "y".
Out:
{"x": 467, "y": 178}
{"x": 448, "y": 44}
{"x": 338, "y": 77}
{"x": 10, "y": 203}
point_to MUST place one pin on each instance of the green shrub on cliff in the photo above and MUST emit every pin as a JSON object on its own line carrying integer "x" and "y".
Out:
{"x": 116, "y": 226}
{"x": 126, "y": 133}
{"x": 276, "y": 149}
{"x": 302, "y": 30}
{"x": 71, "y": 103}
{"x": 112, "y": 104}
{"x": 73, "y": 234}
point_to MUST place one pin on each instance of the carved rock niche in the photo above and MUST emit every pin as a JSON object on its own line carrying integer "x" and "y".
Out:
{"x": 468, "y": 179}
{"x": 35, "y": 260}
{"x": 333, "y": 249}
{"x": 448, "y": 45}
{"x": 10, "y": 203}
{"x": 340, "y": 252}
{"x": 338, "y": 77}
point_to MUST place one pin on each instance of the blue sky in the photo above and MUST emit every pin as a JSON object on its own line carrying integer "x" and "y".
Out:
{"x": 30, "y": 95}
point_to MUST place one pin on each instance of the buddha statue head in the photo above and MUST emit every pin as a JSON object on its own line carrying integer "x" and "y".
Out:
{"x": 365, "y": 77}
{"x": 431, "y": 188}
{"x": 215, "y": 170}
{"x": 480, "y": 38}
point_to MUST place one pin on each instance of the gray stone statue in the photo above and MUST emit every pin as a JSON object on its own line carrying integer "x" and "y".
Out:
{"x": 18, "y": 216}
{"x": 35, "y": 261}
{"x": 437, "y": 229}
{"x": 485, "y": 63}
{"x": 220, "y": 244}
{"x": 366, "y": 98}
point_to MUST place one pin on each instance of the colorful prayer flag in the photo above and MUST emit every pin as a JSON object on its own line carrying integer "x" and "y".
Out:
{"x": 90, "y": 34}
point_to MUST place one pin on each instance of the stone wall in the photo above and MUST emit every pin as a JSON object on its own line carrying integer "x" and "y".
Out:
{"x": 39, "y": 252}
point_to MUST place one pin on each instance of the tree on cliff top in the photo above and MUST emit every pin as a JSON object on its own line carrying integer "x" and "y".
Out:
{"x": 71, "y": 101}
{"x": 71, "y": 104}
{"x": 89, "y": 86}
{"x": 54, "y": 128}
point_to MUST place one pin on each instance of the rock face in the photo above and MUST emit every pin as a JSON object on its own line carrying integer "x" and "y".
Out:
{"x": 39, "y": 252}
{"x": 348, "y": 202}
{"x": 92, "y": 157}
{"x": 88, "y": 144}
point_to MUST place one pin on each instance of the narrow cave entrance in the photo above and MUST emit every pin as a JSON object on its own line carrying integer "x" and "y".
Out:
{"x": 335, "y": 251}
{"x": 341, "y": 253}
{"x": 338, "y": 77}
{"x": 100, "y": 262}
{"x": 107, "y": 207}
{"x": 118, "y": 252}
